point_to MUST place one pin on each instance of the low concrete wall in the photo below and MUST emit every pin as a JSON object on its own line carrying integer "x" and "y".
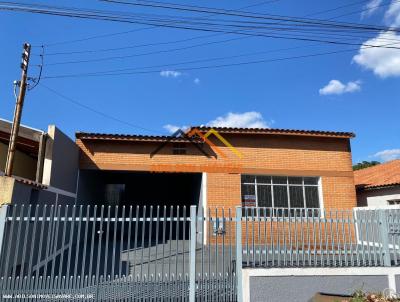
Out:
{"x": 301, "y": 284}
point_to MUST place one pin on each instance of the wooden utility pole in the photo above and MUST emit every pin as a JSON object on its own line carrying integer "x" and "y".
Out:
{"x": 18, "y": 110}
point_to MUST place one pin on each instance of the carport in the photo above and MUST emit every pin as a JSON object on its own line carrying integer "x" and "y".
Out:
{"x": 139, "y": 188}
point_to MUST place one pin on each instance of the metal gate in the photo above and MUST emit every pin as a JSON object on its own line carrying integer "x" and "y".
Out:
{"x": 104, "y": 253}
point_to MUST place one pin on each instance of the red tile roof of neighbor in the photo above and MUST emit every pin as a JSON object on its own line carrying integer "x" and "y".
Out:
{"x": 149, "y": 138}
{"x": 383, "y": 175}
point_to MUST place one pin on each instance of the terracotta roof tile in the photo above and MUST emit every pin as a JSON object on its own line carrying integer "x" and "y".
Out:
{"x": 132, "y": 137}
{"x": 383, "y": 175}
{"x": 277, "y": 131}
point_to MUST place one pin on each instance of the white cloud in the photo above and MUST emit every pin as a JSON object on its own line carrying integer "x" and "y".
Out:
{"x": 387, "y": 155}
{"x": 251, "y": 119}
{"x": 392, "y": 15}
{"x": 196, "y": 81}
{"x": 173, "y": 128}
{"x": 337, "y": 87}
{"x": 384, "y": 62}
{"x": 370, "y": 8}
{"x": 170, "y": 74}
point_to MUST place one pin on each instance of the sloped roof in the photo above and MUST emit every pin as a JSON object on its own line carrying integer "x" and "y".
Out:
{"x": 131, "y": 137}
{"x": 163, "y": 138}
{"x": 317, "y": 133}
{"x": 383, "y": 175}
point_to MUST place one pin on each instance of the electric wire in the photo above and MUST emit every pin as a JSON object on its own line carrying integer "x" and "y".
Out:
{"x": 96, "y": 111}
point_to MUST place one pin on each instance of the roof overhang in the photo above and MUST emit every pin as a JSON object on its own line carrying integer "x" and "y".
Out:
{"x": 275, "y": 131}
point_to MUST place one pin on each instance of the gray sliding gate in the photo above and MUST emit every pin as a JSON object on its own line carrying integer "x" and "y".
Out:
{"x": 116, "y": 253}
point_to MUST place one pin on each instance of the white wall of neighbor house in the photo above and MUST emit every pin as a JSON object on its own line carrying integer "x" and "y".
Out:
{"x": 375, "y": 201}
{"x": 379, "y": 198}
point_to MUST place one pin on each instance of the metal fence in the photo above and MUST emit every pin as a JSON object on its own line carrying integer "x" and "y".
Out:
{"x": 115, "y": 253}
{"x": 320, "y": 238}
{"x": 177, "y": 253}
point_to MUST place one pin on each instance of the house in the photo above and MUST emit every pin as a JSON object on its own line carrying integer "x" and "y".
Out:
{"x": 378, "y": 185}
{"x": 45, "y": 167}
{"x": 218, "y": 167}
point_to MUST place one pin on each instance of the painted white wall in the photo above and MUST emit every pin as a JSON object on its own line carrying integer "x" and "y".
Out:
{"x": 375, "y": 201}
{"x": 377, "y": 197}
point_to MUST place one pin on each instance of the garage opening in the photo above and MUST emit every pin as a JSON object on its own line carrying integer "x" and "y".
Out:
{"x": 139, "y": 188}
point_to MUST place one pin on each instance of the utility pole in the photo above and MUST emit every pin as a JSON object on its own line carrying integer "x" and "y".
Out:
{"x": 18, "y": 110}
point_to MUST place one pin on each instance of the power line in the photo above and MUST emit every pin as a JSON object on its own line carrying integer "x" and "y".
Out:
{"x": 103, "y": 114}
{"x": 235, "y": 13}
{"x": 105, "y": 16}
{"x": 167, "y": 42}
{"x": 129, "y": 71}
{"x": 140, "y": 71}
{"x": 140, "y": 29}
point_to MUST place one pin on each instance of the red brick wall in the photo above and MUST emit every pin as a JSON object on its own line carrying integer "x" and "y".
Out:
{"x": 329, "y": 158}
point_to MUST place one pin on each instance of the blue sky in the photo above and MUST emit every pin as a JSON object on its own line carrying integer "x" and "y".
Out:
{"x": 338, "y": 92}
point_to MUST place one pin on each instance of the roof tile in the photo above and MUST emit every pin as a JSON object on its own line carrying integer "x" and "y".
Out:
{"x": 383, "y": 175}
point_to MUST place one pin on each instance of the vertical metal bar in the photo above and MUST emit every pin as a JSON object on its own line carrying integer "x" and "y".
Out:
{"x": 54, "y": 240}
{"x": 156, "y": 242}
{"x": 216, "y": 241}
{"x": 339, "y": 248}
{"x": 149, "y": 247}
{"x": 135, "y": 243}
{"x": 223, "y": 249}
{"x": 3, "y": 224}
{"x": 62, "y": 244}
{"x": 296, "y": 239}
{"x": 128, "y": 272}
{"x": 273, "y": 246}
{"x": 24, "y": 247}
{"x": 253, "y": 225}
{"x": 149, "y": 243}
{"x": 70, "y": 241}
{"x": 142, "y": 242}
{"x": 239, "y": 252}
{"x": 320, "y": 238}
{"x": 184, "y": 224}
{"x": 99, "y": 244}
{"x": 114, "y": 243}
{"x": 384, "y": 230}
{"x": 85, "y": 240}
{"x": 16, "y": 253}
{"x": 34, "y": 233}
{"x": 259, "y": 237}
{"x": 201, "y": 274}
{"x": 192, "y": 258}
{"x": 247, "y": 236}
{"x": 121, "y": 243}
{"x": 177, "y": 241}
{"x": 107, "y": 239}
{"x": 163, "y": 241}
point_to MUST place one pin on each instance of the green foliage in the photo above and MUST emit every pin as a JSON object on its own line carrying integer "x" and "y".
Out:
{"x": 365, "y": 164}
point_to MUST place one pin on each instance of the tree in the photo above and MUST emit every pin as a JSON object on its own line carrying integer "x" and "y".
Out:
{"x": 365, "y": 164}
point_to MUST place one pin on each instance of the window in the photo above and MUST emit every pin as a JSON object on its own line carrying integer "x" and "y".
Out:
{"x": 394, "y": 202}
{"x": 178, "y": 149}
{"x": 280, "y": 192}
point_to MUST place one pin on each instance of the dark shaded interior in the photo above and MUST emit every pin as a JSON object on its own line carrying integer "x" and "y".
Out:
{"x": 139, "y": 188}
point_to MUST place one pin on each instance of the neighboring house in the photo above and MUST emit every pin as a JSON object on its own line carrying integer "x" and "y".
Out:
{"x": 378, "y": 185}
{"x": 249, "y": 167}
{"x": 45, "y": 167}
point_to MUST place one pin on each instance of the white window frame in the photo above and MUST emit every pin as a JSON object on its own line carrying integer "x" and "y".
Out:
{"x": 256, "y": 184}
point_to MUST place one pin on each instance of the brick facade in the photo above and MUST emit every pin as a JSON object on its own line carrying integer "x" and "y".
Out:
{"x": 328, "y": 157}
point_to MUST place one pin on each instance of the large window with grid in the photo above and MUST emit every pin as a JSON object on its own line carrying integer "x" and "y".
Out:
{"x": 280, "y": 191}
